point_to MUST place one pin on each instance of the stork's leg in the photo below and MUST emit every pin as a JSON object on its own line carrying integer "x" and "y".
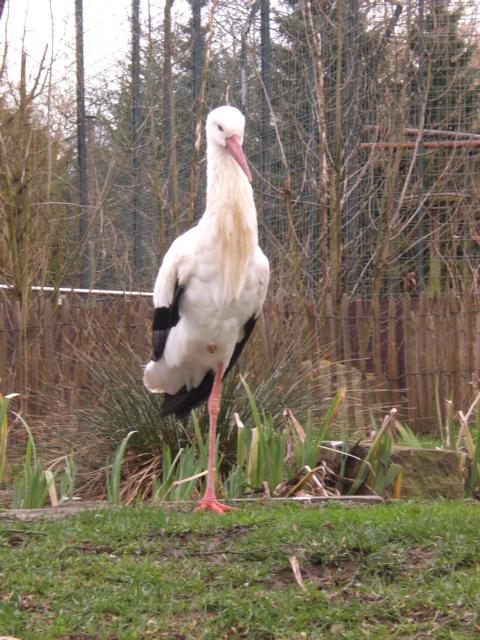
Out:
{"x": 209, "y": 500}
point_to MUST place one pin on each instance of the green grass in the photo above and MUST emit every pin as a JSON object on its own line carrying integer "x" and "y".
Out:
{"x": 387, "y": 571}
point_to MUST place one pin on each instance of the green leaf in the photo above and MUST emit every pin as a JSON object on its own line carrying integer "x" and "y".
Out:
{"x": 113, "y": 477}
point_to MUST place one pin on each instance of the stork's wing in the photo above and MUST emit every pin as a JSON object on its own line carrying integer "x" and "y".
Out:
{"x": 247, "y": 330}
{"x": 164, "y": 318}
{"x": 166, "y": 298}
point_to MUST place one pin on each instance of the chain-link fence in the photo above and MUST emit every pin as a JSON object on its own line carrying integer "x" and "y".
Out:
{"x": 362, "y": 131}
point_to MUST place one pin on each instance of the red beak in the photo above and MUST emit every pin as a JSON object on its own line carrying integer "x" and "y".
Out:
{"x": 235, "y": 148}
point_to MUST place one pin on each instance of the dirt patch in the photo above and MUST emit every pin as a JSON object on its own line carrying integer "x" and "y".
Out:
{"x": 211, "y": 542}
{"x": 345, "y": 571}
{"x": 78, "y": 636}
{"x": 16, "y": 539}
{"x": 26, "y": 602}
{"x": 83, "y": 636}
{"x": 221, "y": 534}
{"x": 86, "y": 547}
{"x": 417, "y": 554}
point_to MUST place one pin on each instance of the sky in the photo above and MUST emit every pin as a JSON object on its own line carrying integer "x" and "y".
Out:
{"x": 106, "y": 34}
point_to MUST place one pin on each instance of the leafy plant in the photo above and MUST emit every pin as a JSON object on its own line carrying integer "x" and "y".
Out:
{"x": 472, "y": 483}
{"x": 468, "y": 439}
{"x": 113, "y": 473}
{"x": 163, "y": 487}
{"x": 407, "y": 437}
{"x": 309, "y": 440}
{"x": 67, "y": 485}
{"x": 377, "y": 470}
{"x": 4, "y": 405}
{"x": 31, "y": 487}
{"x": 267, "y": 448}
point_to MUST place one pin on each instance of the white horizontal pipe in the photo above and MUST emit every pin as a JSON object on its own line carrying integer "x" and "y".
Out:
{"x": 109, "y": 292}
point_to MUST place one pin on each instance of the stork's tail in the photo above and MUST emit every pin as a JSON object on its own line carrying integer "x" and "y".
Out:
{"x": 182, "y": 402}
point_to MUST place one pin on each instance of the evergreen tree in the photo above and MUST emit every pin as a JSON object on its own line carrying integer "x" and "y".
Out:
{"x": 449, "y": 88}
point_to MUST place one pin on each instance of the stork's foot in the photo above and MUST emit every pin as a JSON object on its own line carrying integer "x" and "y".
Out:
{"x": 212, "y": 504}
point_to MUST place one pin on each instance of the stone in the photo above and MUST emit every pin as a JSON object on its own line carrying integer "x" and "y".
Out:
{"x": 427, "y": 473}
{"x": 431, "y": 473}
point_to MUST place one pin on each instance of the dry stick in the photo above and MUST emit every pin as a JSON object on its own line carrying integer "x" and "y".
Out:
{"x": 243, "y": 55}
{"x": 339, "y": 186}
{"x": 200, "y": 111}
{"x": 322, "y": 136}
{"x": 296, "y": 572}
{"x": 169, "y": 102}
{"x": 322, "y": 145}
{"x": 443, "y": 144}
{"x": 413, "y": 131}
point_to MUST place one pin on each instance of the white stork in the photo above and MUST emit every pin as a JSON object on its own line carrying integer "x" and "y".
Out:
{"x": 210, "y": 289}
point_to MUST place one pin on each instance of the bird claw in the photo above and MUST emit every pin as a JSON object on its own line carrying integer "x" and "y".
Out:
{"x": 212, "y": 504}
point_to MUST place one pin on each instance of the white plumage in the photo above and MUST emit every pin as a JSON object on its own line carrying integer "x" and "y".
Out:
{"x": 220, "y": 266}
{"x": 211, "y": 285}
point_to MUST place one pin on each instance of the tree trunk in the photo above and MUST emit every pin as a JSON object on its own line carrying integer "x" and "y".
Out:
{"x": 169, "y": 116}
{"x": 135, "y": 125}
{"x": 81, "y": 142}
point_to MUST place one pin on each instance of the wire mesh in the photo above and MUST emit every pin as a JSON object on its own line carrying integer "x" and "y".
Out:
{"x": 362, "y": 131}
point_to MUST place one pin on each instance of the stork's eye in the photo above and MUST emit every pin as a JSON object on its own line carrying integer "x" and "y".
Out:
{"x": 220, "y": 128}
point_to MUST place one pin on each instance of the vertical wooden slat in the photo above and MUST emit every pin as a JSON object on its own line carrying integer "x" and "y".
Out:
{"x": 322, "y": 331}
{"x": 347, "y": 358}
{"x": 377, "y": 350}
{"x": 126, "y": 319}
{"x": 48, "y": 351}
{"x": 3, "y": 349}
{"x": 443, "y": 323}
{"x": 392, "y": 352}
{"x": 33, "y": 356}
{"x": 421, "y": 363}
{"x": 10, "y": 375}
{"x": 476, "y": 339}
{"x": 470, "y": 334}
{"x": 431, "y": 347}
{"x": 18, "y": 362}
{"x": 142, "y": 335}
{"x": 453, "y": 340}
{"x": 80, "y": 374}
{"x": 118, "y": 310}
{"x": 363, "y": 338}
{"x": 409, "y": 362}
{"x": 63, "y": 356}
{"x": 332, "y": 341}
{"x": 464, "y": 376}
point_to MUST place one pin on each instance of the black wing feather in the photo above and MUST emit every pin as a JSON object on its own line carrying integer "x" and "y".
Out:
{"x": 182, "y": 402}
{"x": 247, "y": 330}
{"x": 164, "y": 318}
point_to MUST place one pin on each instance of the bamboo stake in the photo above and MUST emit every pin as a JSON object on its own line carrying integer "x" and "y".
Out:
{"x": 443, "y": 144}
{"x": 413, "y": 131}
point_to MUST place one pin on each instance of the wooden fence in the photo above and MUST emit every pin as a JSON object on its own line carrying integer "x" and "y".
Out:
{"x": 412, "y": 352}
{"x": 48, "y": 361}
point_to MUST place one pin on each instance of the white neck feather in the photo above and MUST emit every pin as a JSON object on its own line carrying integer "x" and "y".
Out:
{"x": 232, "y": 216}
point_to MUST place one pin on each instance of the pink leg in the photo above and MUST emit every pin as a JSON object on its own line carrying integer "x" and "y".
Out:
{"x": 209, "y": 500}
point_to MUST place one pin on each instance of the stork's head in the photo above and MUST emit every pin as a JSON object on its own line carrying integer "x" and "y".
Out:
{"x": 225, "y": 129}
